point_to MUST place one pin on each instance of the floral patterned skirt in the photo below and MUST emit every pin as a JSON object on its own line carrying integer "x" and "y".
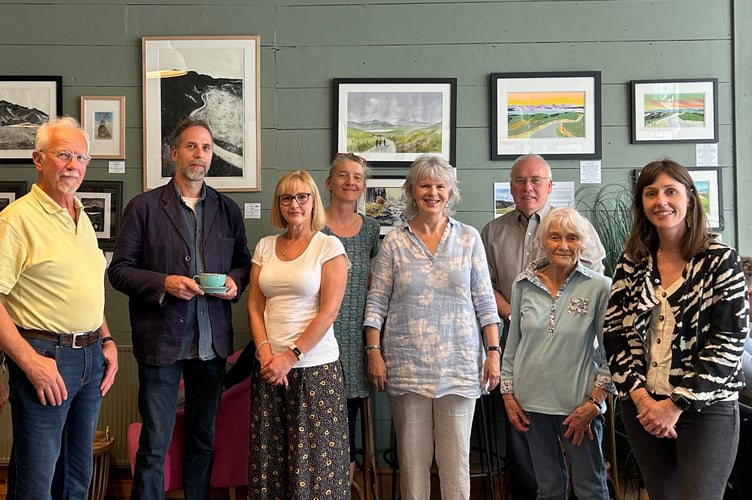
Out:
{"x": 298, "y": 436}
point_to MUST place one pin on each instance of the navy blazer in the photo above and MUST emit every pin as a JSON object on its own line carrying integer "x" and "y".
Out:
{"x": 152, "y": 244}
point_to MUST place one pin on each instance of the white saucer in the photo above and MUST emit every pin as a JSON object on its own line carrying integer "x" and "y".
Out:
{"x": 215, "y": 289}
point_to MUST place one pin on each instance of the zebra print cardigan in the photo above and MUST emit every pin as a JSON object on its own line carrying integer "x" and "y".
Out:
{"x": 711, "y": 325}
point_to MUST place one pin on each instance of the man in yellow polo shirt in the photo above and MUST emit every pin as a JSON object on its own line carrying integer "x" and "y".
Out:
{"x": 61, "y": 357}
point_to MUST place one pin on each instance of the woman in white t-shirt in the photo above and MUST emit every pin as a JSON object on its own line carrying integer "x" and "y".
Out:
{"x": 298, "y": 431}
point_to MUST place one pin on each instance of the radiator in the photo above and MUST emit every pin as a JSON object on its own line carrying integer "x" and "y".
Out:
{"x": 119, "y": 409}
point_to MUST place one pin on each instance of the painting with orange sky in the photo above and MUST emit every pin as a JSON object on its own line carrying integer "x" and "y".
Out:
{"x": 546, "y": 114}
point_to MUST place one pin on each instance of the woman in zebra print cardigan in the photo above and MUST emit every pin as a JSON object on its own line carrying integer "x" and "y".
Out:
{"x": 674, "y": 334}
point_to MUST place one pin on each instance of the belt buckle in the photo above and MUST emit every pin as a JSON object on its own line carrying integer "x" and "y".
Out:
{"x": 75, "y": 337}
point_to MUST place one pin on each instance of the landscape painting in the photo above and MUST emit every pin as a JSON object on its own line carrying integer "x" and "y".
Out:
{"x": 394, "y": 121}
{"x": 26, "y": 102}
{"x": 384, "y": 200}
{"x": 545, "y": 114}
{"x": 552, "y": 114}
{"x": 674, "y": 111}
{"x": 215, "y": 79}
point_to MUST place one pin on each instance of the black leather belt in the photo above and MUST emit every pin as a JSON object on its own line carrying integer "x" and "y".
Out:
{"x": 75, "y": 340}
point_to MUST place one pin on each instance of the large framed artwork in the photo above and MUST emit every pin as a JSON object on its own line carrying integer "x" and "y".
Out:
{"x": 384, "y": 201}
{"x": 708, "y": 183}
{"x": 26, "y": 102}
{"x": 10, "y": 191}
{"x": 675, "y": 110}
{"x": 557, "y": 115}
{"x": 215, "y": 79}
{"x": 392, "y": 121}
{"x": 103, "y": 118}
{"x": 102, "y": 201}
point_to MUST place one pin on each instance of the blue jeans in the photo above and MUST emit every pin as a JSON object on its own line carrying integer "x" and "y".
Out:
{"x": 695, "y": 465}
{"x": 157, "y": 399}
{"x": 51, "y": 455}
{"x": 546, "y": 438}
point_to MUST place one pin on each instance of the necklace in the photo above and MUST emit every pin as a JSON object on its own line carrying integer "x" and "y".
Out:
{"x": 283, "y": 252}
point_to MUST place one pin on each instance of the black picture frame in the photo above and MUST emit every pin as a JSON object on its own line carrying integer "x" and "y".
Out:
{"x": 34, "y": 100}
{"x": 659, "y": 105}
{"x": 10, "y": 191}
{"x": 392, "y": 121}
{"x": 102, "y": 202}
{"x": 525, "y": 107}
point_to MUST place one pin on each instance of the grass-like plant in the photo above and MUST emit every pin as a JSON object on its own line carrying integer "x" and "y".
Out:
{"x": 609, "y": 209}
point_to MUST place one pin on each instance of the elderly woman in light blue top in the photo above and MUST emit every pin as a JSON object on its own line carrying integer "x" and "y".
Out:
{"x": 554, "y": 379}
{"x": 431, "y": 292}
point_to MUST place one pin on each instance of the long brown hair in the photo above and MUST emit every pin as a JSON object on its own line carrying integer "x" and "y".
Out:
{"x": 643, "y": 238}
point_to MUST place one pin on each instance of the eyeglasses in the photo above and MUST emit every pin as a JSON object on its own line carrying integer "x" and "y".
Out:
{"x": 301, "y": 198}
{"x": 535, "y": 181}
{"x": 352, "y": 157}
{"x": 66, "y": 156}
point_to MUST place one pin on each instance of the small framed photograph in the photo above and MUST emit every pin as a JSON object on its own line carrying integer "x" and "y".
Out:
{"x": 102, "y": 201}
{"x": 675, "y": 110}
{"x": 103, "y": 118}
{"x": 10, "y": 191}
{"x": 384, "y": 200}
{"x": 392, "y": 121}
{"x": 26, "y": 102}
{"x": 211, "y": 78}
{"x": 557, "y": 115}
{"x": 708, "y": 183}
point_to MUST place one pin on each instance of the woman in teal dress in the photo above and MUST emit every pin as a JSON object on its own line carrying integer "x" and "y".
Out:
{"x": 360, "y": 236}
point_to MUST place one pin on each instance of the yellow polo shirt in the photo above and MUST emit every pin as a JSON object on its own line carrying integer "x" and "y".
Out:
{"x": 51, "y": 271}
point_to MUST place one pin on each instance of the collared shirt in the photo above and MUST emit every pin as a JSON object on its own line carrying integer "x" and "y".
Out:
{"x": 198, "y": 340}
{"x": 432, "y": 306}
{"x": 51, "y": 268}
{"x": 511, "y": 246}
{"x": 550, "y": 363}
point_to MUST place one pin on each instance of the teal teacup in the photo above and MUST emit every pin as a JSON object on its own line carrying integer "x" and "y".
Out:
{"x": 210, "y": 280}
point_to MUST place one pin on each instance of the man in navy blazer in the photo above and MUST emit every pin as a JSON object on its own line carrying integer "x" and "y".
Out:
{"x": 167, "y": 236}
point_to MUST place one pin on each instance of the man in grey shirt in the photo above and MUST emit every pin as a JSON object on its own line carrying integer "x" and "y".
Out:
{"x": 510, "y": 246}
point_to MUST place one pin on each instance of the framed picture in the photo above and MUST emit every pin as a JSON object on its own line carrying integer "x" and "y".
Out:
{"x": 708, "y": 183}
{"x": 675, "y": 110}
{"x": 392, "y": 121}
{"x": 557, "y": 115}
{"x": 10, "y": 191}
{"x": 215, "y": 79}
{"x": 384, "y": 201}
{"x": 103, "y": 118}
{"x": 102, "y": 201}
{"x": 26, "y": 102}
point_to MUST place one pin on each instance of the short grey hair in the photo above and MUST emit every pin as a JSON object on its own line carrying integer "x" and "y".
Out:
{"x": 531, "y": 156}
{"x": 44, "y": 132}
{"x": 569, "y": 220}
{"x": 430, "y": 167}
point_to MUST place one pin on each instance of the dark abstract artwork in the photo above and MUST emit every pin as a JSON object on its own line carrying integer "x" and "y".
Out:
{"x": 218, "y": 101}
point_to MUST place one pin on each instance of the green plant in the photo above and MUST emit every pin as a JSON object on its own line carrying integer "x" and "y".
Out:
{"x": 609, "y": 208}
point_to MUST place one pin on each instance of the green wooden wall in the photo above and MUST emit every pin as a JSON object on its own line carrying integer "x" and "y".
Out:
{"x": 96, "y": 46}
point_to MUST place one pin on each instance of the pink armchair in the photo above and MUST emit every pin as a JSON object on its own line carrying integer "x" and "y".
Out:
{"x": 230, "y": 443}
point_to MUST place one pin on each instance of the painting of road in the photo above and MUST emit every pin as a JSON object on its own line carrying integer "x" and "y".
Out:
{"x": 674, "y": 110}
{"x": 559, "y": 115}
{"x": 394, "y": 122}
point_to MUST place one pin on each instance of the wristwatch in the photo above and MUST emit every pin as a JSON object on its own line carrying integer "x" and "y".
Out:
{"x": 681, "y": 402}
{"x": 296, "y": 350}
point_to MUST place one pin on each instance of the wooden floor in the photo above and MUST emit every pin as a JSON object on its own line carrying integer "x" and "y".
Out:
{"x": 119, "y": 488}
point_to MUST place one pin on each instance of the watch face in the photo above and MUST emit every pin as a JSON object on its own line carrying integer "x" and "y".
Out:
{"x": 682, "y": 403}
